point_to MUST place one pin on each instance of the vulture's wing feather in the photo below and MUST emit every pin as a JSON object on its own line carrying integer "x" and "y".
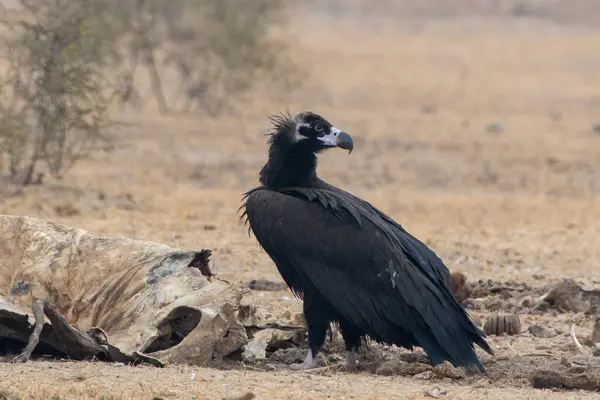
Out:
{"x": 368, "y": 267}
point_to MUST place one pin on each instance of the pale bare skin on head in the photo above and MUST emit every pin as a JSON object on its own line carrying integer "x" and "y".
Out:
{"x": 301, "y": 123}
{"x": 297, "y": 134}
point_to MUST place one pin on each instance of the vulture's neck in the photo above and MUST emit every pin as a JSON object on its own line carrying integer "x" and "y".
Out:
{"x": 289, "y": 166}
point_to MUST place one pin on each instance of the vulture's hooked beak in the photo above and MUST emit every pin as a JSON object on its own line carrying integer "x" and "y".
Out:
{"x": 338, "y": 138}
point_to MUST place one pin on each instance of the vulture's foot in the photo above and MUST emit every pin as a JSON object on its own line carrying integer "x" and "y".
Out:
{"x": 309, "y": 362}
{"x": 351, "y": 360}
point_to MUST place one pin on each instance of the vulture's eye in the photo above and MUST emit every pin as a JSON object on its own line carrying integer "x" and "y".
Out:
{"x": 318, "y": 128}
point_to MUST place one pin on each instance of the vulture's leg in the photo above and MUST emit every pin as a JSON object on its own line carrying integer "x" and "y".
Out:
{"x": 351, "y": 337}
{"x": 317, "y": 322}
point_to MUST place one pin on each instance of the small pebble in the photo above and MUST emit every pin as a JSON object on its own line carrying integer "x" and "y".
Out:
{"x": 428, "y": 109}
{"x": 541, "y": 331}
{"x": 427, "y": 375}
{"x": 435, "y": 392}
{"x": 473, "y": 304}
{"x": 446, "y": 370}
{"x": 496, "y": 306}
{"x": 494, "y": 128}
{"x": 270, "y": 367}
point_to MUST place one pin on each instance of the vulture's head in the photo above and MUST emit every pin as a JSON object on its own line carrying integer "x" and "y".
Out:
{"x": 308, "y": 132}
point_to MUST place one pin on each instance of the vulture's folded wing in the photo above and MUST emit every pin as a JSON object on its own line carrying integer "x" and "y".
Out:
{"x": 371, "y": 270}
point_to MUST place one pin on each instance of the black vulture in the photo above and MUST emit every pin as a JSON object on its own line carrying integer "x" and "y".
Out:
{"x": 351, "y": 264}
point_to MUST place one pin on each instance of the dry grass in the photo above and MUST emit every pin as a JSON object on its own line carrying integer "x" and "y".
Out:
{"x": 418, "y": 97}
{"x": 101, "y": 381}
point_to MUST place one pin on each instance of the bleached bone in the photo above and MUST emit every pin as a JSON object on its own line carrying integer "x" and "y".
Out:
{"x": 577, "y": 344}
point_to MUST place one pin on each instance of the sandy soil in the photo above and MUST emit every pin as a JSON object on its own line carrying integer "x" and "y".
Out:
{"x": 476, "y": 133}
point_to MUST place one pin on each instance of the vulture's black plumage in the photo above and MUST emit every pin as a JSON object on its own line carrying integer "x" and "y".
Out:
{"x": 350, "y": 263}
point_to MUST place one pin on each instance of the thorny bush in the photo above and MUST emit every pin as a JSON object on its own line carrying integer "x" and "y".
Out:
{"x": 68, "y": 61}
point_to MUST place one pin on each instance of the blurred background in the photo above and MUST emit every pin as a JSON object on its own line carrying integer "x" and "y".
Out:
{"x": 476, "y": 122}
{"x": 476, "y": 126}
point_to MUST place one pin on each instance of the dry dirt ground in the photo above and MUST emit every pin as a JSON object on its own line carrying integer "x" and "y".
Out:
{"x": 479, "y": 134}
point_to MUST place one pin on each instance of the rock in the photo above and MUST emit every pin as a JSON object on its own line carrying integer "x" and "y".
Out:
{"x": 458, "y": 285}
{"x": 473, "y": 304}
{"x": 569, "y": 296}
{"x": 551, "y": 379}
{"x": 497, "y": 305}
{"x": 388, "y": 368}
{"x": 270, "y": 367}
{"x": 542, "y": 306}
{"x": 541, "y": 331}
{"x": 435, "y": 392}
{"x": 427, "y": 375}
{"x": 446, "y": 370}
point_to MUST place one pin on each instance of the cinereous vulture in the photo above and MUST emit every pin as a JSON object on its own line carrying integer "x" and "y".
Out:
{"x": 351, "y": 264}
